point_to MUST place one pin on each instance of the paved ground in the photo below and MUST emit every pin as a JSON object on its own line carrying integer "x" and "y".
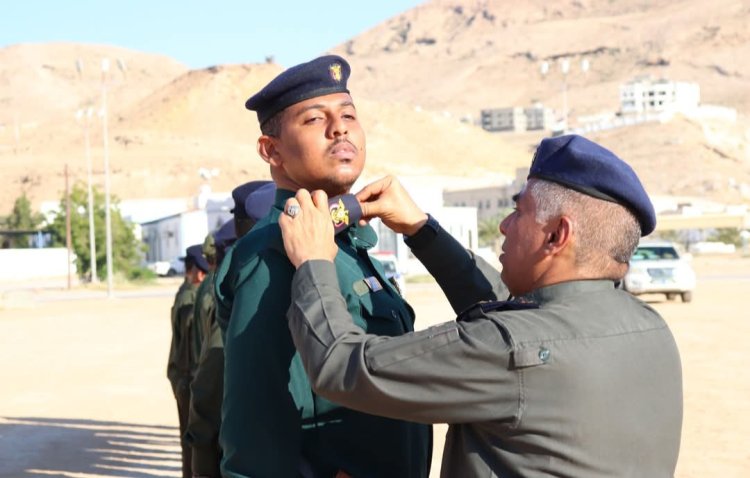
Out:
{"x": 84, "y": 392}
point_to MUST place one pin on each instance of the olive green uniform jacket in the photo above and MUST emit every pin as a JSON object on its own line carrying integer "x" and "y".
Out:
{"x": 271, "y": 419}
{"x": 578, "y": 379}
{"x": 207, "y": 387}
{"x": 181, "y": 351}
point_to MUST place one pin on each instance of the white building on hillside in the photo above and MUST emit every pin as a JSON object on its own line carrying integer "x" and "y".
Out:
{"x": 646, "y": 95}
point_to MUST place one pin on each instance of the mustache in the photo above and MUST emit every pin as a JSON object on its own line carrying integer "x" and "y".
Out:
{"x": 339, "y": 141}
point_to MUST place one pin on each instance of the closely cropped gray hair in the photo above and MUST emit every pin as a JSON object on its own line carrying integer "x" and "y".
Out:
{"x": 605, "y": 230}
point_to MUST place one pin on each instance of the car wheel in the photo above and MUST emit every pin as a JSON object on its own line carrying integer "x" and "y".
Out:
{"x": 171, "y": 273}
{"x": 687, "y": 296}
{"x": 671, "y": 296}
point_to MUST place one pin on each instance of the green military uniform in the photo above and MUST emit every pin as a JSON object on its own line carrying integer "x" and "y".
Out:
{"x": 272, "y": 420}
{"x": 180, "y": 362}
{"x": 205, "y": 305}
{"x": 577, "y": 379}
{"x": 207, "y": 386}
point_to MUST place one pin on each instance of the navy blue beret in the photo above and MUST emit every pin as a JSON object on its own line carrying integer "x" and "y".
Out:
{"x": 240, "y": 194}
{"x": 322, "y": 76}
{"x": 259, "y": 202}
{"x": 225, "y": 236}
{"x": 577, "y": 163}
{"x": 194, "y": 254}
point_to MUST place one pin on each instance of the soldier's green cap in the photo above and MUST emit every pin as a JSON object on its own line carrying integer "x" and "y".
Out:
{"x": 209, "y": 246}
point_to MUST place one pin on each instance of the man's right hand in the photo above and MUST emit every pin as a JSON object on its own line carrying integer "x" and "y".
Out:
{"x": 387, "y": 199}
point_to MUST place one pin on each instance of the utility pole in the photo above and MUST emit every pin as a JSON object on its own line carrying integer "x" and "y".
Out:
{"x": 564, "y": 69}
{"x": 68, "y": 241}
{"x": 86, "y": 116}
{"x": 107, "y": 212}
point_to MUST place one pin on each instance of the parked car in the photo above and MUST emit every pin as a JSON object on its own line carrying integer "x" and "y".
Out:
{"x": 168, "y": 268}
{"x": 658, "y": 267}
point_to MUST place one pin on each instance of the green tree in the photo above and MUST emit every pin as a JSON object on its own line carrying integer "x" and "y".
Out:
{"x": 22, "y": 218}
{"x": 727, "y": 235}
{"x": 127, "y": 251}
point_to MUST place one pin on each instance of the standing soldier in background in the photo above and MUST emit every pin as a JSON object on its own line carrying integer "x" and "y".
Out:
{"x": 181, "y": 358}
{"x": 204, "y": 301}
{"x": 252, "y": 201}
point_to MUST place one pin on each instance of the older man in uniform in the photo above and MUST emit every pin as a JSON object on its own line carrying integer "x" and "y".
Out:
{"x": 273, "y": 425}
{"x": 568, "y": 377}
{"x": 180, "y": 365}
{"x": 252, "y": 202}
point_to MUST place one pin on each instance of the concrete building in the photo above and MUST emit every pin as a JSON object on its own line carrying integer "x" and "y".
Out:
{"x": 647, "y": 95}
{"x": 489, "y": 201}
{"x": 532, "y": 118}
{"x": 538, "y": 118}
{"x": 503, "y": 119}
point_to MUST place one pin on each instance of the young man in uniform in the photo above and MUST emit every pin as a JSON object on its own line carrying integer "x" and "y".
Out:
{"x": 182, "y": 358}
{"x": 273, "y": 425}
{"x": 570, "y": 376}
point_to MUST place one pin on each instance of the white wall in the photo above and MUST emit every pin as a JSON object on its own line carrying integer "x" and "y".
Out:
{"x": 25, "y": 264}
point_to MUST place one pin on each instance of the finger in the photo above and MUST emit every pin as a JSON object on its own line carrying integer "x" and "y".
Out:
{"x": 320, "y": 199}
{"x": 374, "y": 189}
{"x": 304, "y": 199}
{"x": 372, "y": 209}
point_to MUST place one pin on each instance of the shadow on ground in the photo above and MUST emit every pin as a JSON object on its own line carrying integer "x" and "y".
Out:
{"x": 77, "y": 448}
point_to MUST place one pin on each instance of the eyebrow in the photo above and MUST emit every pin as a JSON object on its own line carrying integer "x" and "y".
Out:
{"x": 319, "y": 106}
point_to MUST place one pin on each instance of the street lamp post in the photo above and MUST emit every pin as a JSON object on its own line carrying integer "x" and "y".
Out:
{"x": 564, "y": 69}
{"x": 107, "y": 212}
{"x": 86, "y": 116}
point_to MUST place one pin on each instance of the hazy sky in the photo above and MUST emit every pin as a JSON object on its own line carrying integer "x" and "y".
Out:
{"x": 199, "y": 33}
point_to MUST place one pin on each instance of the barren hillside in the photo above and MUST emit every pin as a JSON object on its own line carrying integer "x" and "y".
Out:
{"x": 465, "y": 55}
{"x": 419, "y": 80}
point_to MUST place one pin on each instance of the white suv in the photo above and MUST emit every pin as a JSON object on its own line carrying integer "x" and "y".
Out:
{"x": 657, "y": 267}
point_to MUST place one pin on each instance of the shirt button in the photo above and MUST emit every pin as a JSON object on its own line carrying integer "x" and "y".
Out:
{"x": 543, "y": 354}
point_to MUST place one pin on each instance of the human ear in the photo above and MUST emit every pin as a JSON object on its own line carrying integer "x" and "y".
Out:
{"x": 561, "y": 235}
{"x": 267, "y": 150}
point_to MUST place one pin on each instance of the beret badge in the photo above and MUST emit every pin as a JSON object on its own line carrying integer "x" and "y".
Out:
{"x": 335, "y": 70}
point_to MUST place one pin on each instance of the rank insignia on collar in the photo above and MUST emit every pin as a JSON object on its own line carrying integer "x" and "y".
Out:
{"x": 335, "y": 70}
{"x": 339, "y": 214}
{"x": 345, "y": 210}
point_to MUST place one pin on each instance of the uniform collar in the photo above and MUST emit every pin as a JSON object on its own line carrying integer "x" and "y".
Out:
{"x": 359, "y": 236}
{"x": 566, "y": 289}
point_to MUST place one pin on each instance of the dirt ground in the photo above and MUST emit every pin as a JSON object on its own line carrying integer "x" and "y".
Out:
{"x": 84, "y": 394}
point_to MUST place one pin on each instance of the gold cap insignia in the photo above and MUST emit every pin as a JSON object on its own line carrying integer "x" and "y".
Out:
{"x": 339, "y": 214}
{"x": 335, "y": 70}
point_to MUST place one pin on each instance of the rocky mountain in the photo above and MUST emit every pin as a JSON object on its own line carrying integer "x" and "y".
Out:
{"x": 463, "y": 56}
{"x": 419, "y": 80}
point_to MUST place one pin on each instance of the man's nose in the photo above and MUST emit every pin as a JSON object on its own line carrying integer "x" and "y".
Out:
{"x": 338, "y": 127}
{"x": 503, "y": 226}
